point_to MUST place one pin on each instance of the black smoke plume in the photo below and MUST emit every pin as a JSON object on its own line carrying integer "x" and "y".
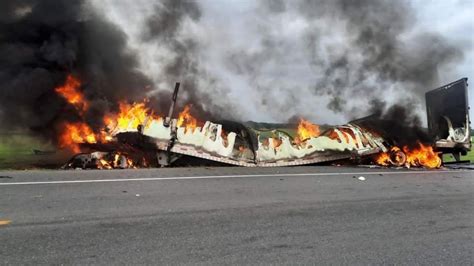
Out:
{"x": 41, "y": 42}
{"x": 357, "y": 51}
{"x": 199, "y": 88}
{"x": 397, "y": 124}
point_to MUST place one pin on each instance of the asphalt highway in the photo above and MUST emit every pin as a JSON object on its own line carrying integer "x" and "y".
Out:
{"x": 230, "y": 215}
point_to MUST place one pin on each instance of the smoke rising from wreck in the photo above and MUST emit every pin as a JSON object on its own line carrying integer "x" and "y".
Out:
{"x": 330, "y": 61}
{"x": 163, "y": 28}
{"x": 43, "y": 41}
{"x": 357, "y": 51}
{"x": 273, "y": 60}
{"x": 396, "y": 123}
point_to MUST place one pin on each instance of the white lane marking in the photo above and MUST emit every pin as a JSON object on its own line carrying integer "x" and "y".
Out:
{"x": 221, "y": 177}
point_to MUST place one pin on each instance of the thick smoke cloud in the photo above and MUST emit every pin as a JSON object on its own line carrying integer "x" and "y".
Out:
{"x": 357, "y": 51}
{"x": 182, "y": 63}
{"x": 397, "y": 124}
{"x": 43, "y": 41}
{"x": 273, "y": 60}
{"x": 329, "y": 61}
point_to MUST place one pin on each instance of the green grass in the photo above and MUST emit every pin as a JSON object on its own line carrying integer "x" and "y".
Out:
{"x": 469, "y": 156}
{"x": 17, "y": 150}
{"x": 18, "y": 144}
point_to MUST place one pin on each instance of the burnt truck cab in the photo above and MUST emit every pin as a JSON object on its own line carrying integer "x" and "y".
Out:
{"x": 448, "y": 118}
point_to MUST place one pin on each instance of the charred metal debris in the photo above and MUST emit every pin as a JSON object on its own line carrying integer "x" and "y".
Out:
{"x": 166, "y": 142}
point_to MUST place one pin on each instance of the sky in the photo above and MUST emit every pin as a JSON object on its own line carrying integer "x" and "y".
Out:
{"x": 452, "y": 19}
{"x": 455, "y": 20}
{"x": 272, "y": 84}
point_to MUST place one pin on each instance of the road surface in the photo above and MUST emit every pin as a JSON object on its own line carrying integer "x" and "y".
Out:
{"x": 228, "y": 215}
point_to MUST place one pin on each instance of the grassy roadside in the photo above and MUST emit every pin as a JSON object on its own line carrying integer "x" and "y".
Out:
{"x": 16, "y": 151}
{"x": 469, "y": 156}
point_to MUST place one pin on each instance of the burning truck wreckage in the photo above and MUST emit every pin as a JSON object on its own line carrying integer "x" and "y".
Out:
{"x": 136, "y": 137}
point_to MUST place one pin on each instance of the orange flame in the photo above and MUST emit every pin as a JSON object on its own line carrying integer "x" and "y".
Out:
{"x": 103, "y": 164}
{"x": 121, "y": 160}
{"x": 420, "y": 156}
{"x": 185, "y": 118}
{"x": 130, "y": 116}
{"x": 394, "y": 157}
{"x": 70, "y": 92}
{"x": 423, "y": 155}
{"x": 74, "y": 133}
{"x": 383, "y": 159}
{"x": 306, "y": 130}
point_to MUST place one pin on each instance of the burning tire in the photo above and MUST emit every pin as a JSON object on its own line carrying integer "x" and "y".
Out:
{"x": 397, "y": 157}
